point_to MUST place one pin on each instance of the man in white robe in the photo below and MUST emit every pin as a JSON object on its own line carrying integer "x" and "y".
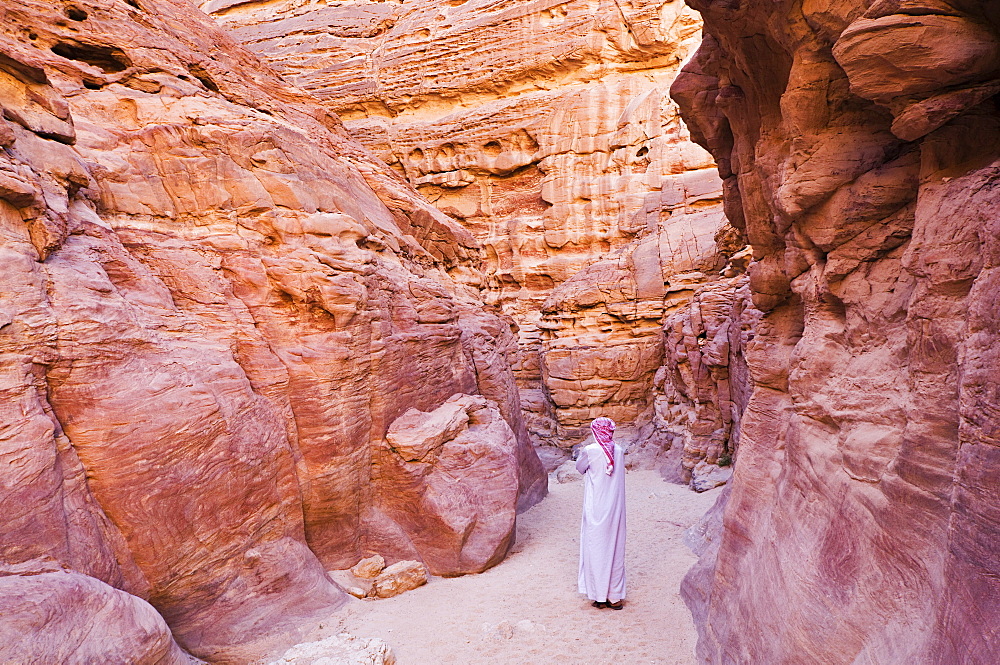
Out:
{"x": 602, "y": 531}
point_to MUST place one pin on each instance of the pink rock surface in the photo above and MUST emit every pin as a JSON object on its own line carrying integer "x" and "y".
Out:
{"x": 447, "y": 481}
{"x": 215, "y": 303}
{"x": 858, "y": 148}
{"x": 66, "y": 617}
{"x": 703, "y": 387}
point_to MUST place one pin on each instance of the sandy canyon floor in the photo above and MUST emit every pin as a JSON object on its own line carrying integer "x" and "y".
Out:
{"x": 527, "y": 609}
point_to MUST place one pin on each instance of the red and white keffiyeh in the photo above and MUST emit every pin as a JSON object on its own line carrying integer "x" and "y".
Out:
{"x": 604, "y": 429}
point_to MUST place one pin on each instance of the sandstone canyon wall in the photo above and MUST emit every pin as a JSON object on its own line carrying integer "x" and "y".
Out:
{"x": 859, "y": 146}
{"x": 214, "y": 305}
{"x": 545, "y": 129}
{"x": 704, "y": 384}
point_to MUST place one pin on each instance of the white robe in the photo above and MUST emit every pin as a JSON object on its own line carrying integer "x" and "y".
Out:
{"x": 602, "y": 531}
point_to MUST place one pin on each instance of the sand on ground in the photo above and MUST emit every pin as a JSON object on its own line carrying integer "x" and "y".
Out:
{"x": 527, "y": 609}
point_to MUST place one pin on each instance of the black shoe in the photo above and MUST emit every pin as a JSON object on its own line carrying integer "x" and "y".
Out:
{"x": 599, "y": 605}
{"x": 615, "y": 606}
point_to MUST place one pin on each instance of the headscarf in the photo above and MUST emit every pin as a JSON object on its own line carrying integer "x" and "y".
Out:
{"x": 604, "y": 429}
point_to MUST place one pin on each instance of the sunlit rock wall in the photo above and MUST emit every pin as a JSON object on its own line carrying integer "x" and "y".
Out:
{"x": 603, "y": 336}
{"x": 213, "y": 304}
{"x": 859, "y": 146}
{"x": 546, "y": 130}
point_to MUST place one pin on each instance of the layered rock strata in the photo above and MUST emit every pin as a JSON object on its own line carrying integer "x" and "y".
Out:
{"x": 545, "y": 129}
{"x": 603, "y": 329}
{"x": 215, "y": 304}
{"x": 858, "y": 144}
{"x": 703, "y": 386}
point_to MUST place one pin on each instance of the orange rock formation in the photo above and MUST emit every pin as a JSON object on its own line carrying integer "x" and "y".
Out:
{"x": 546, "y": 130}
{"x": 215, "y": 304}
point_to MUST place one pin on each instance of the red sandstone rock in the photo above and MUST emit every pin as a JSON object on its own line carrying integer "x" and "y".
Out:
{"x": 447, "y": 482}
{"x": 703, "y": 387}
{"x": 214, "y": 305}
{"x": 859, "y": 148}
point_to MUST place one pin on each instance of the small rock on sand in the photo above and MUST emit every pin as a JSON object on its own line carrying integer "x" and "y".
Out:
{"x": 706, "y": 476}
{"x": 400, "y": 577}
{"x": 346, "y": 580}
{"x": 369, "y": 568}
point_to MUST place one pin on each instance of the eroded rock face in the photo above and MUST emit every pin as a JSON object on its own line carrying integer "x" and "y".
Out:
{"x": 214, "y": 304}
{"x": 704, "y": 386}
{"x": 65, "y": 617}
{"x": 447, "y": 483}
{"x": 603, "y": 340}
{"x": 859, "y": 150}
{"x": 546, "y": 130}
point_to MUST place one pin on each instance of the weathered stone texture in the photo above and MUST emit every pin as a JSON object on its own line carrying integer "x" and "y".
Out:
{"x": 398, "y": 578}
{"x": 342, "y": 649}
{"x": 546, "y": 130}
{"x": 858, "y": 145}
{"x": 449, "y": 479}
{"x": 704, "y": 384}
{"x": 58, "y": 616}
{"x": 603, "y": 338}
{"x": 213, "y": 304}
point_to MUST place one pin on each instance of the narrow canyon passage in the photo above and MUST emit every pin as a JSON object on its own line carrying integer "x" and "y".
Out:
{"x": 292, "y": 284}
{"x": 527, "y": 610}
